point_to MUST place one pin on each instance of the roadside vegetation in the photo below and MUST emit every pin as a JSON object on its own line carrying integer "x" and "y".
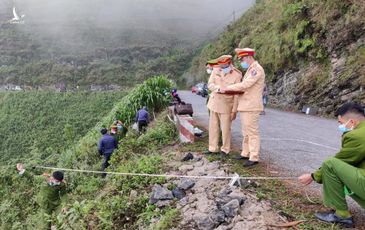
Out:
{"x": 93, "y": 202}
{"x": 41, "y": 124}
{"x": 321, "y": 41}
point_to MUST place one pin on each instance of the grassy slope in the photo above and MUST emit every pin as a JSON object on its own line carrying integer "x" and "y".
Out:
{"x": 91, "y": 56}
{"x": 100, "y": 204}
{"x": 44, "y": 123}
{"x": 289, "y": 35}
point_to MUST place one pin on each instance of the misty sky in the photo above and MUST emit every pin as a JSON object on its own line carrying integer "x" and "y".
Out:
{"x": 128, "y": 13}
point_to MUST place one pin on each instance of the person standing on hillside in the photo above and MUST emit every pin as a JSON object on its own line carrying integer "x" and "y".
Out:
{"x": 343, "y": 174}
{"x": 117, "y": 129}
{"x": 222, "y": 108}
{"x": 249, "y": 104}
{"x": 51, "y": 195}
{"x": 211, "y": 66}
{"x": 142, "y": 118}
{"x": 107, "y": 145}
{"x": 175, "y": 96}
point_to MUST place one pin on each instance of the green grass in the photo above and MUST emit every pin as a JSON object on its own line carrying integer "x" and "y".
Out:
{"x": 296, "y": 35}
{"x": 40, "y": 124}
{"x": 93, "y": 201}
{"x": 168, "y": 220}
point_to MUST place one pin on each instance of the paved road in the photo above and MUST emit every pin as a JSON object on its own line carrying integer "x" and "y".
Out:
{"x": 296, "y": 142}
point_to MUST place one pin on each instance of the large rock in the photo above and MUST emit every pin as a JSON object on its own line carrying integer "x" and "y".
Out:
{"x": 160, "y": 193}
{"x": 178, "y": 193}
{"x": 231, "y": 208}
{"x": 186, "y": 183}
{"x": 217, "y": 216}
{"x": 210, "y": 221}
{"x": 204, "y": 222}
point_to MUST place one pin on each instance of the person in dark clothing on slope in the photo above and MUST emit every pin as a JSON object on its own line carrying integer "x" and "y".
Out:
{"x": 142, "y": 118}
{"x": 107, "y": 144}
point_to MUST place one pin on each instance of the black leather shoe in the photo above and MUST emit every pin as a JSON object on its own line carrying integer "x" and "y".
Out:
{"x": 208, "y": 152}
{"x": 223, "y": 154}
{"x": 330, "y": 217}
{"x": 241, "y": 158}
{"x": 250, "y": 163}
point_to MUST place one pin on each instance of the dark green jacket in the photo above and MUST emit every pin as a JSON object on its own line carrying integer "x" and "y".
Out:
{"x": 352, "y": 150}
{"x": 49, "y": 197}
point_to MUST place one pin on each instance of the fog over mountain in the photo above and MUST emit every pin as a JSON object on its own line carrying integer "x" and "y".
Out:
{"x": 184, "y": 19}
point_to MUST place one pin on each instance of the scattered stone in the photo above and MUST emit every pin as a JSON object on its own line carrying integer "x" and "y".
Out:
{"x": 189, "y": 156}
{"x": 186, "y": 184}
{"x": 205, "y": 223}
{"x": 185, "y": 168}
{"x": 217, "y": 216}
{"x": 212, "y": 220}
{"x": 249, "y": 184}
{"x": 160, "y": 193}
{"x": 221, "y": 201}
{"x": 163, "y": 203}
{"x": 133, "y": 195}
{"x": 184, "y": 201}
{"x": 178, "y": 193}
{"x": 199, "y": 163}
{"x": 231, "y": 208}
{"x": 213, "y": 166}
{"x": 224, "y": 227}
{"x": 198, "y": 158}
{"x": 152, "y": 200}
{"x": 218, "y": 173}
{"x": 204, "y": 205}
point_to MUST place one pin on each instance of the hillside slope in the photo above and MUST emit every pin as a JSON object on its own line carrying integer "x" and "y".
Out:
{"x": 79, "y": 52}
{"x": 41, "y": 124}
{"x": 313, "y": 52}
{"x": 92, "y": 202}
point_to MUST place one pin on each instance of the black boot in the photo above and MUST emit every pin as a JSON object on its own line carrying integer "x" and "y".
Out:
{"x": 208, "y": 152}
{"x": 250, "y": 163}
{"x": 223, "y": 154}
{"x": 241, "y": 158}
{"x": 331, "y": 217}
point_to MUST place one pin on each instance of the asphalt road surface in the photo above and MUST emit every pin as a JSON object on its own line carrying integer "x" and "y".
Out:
{"x": 294, "y": 143}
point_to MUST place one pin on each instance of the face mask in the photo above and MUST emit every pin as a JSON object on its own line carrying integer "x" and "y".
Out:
{"x": 209, "y": 71}
{"x": 53, "y": 182}
{"x": 343, "y": 129}
{"x": 227, "y": 70}
{"x": 245, "y": 65}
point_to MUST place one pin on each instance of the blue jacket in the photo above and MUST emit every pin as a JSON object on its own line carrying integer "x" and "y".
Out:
{"x": 142, "y": 115}
{"x": 107, "y": 144}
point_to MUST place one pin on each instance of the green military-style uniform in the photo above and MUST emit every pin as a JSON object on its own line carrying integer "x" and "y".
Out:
{"x": 344, "y": 174}
{"x": 49, "y": 198}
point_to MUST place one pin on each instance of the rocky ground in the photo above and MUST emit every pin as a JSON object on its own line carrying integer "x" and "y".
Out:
{"x": 213, "y": 204}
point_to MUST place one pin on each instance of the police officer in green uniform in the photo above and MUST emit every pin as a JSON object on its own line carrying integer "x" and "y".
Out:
{"x": 343, "y": 174}
{"x": 51, "y": 195}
